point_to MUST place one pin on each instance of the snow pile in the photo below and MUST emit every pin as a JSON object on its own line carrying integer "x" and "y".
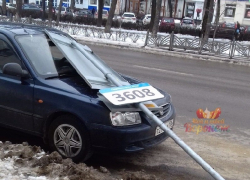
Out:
{"x": 21, "y": 161}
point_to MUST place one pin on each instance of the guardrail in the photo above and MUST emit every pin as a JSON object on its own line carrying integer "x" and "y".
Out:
{"x": 174, "y": 42}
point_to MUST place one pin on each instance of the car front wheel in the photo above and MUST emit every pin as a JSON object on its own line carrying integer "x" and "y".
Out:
{"x": 69, "y": 137}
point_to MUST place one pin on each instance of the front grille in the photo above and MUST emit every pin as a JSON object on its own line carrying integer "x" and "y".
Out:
{"x": 164, "y": 112}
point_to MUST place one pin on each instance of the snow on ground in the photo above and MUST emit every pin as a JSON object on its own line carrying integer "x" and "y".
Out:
{"x": 24, "y": 162}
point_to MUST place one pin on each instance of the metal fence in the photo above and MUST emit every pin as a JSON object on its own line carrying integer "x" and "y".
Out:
{"x": 174, "y": 42}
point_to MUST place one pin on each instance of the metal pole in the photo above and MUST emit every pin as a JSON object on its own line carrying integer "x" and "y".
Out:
{"x": 171, "y": 134}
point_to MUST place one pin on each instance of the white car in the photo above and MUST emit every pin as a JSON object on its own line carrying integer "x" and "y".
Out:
{"x": 129, "y": 17}
{"x": 10, "y": 6}
{"x": 146, "y": 20}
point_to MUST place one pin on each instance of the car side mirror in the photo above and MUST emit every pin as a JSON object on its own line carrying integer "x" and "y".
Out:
{"x": 15, "y": 69}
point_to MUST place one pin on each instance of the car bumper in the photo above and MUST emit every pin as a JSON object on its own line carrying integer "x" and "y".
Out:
{"x": 129, "y": 139}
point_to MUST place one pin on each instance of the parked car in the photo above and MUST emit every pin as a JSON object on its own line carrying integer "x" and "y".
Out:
{"x": 225, "y": 30}
{"x": 65, "y": 11}
{"x": 188, "y": 22}
{"x": 146, "y": 20}
{"x": 166, "y": 24}
{"x": 10, "y": 6}
{"x": 84, "y": 13}
{"x": 49, "y": 87}
{"x": 105, "y": 14}
{"x": 128, "y": 17}
{"x": 31, "y": 7}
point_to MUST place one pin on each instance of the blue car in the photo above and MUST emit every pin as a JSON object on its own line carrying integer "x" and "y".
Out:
{"x": 50, "y": 87}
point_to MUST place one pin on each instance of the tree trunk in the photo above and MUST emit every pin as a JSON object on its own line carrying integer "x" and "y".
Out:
{"x": 18, "y": 9}
{"x": 216, "y": 19}
{"x": 207, "y": 19}
{"x": 50, "y": 11}
{"x": 43, "y": 8}
{"x": 4, "y": 7}
{"x": 217, "y": 12}
{"x": 100, "y": 7}
{"x": 157, "y": 16}
{"x": 153, "y": 11}
{"x": 170, "y": 8}
{"x": 72, "y": 5}
{"x": 110, "y": 17}
{"x": 59, "y": 12}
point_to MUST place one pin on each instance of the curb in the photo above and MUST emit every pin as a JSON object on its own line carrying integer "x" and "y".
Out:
{"x": 165, "y": 52}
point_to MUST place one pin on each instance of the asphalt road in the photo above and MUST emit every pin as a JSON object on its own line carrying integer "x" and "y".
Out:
{"x": 193, "y": 84}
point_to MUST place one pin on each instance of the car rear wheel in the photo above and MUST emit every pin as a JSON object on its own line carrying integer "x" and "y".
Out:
{"x": 69, "y": 137}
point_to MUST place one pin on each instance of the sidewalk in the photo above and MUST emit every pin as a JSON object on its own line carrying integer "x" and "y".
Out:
{"x": 139, "y": 47}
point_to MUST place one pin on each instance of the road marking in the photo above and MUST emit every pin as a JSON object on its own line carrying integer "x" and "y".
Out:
{"x": 215, "y": 79}
{"x": 163, "y": 70}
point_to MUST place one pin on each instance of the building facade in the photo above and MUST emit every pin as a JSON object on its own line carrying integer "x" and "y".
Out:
{"x": 235, "y": 10}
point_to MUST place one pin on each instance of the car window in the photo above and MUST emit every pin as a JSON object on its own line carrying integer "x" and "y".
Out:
{"x": 188, "y": 21}
{"x": 38, "y": 51}
{"x": 104, "y": 12}
{"x": 7, "y": 55}
{"x": 167, "y": 20}
{"x": 128, "y": 15}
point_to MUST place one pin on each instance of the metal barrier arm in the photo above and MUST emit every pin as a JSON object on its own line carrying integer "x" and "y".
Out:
{"x": 169, "y": 132}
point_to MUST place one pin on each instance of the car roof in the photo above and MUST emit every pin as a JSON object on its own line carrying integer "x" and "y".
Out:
{"x": 23, "y": 29}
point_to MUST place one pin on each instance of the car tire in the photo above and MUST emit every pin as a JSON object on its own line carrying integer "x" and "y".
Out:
{"x": 69, "y": 137}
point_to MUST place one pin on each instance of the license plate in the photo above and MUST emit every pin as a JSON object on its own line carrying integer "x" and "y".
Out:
{"x": 131, "y": 94}
{"x": 169, "y": 124}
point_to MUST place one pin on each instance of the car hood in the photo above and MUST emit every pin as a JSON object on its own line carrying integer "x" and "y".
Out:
{"x": 76, "y": 85}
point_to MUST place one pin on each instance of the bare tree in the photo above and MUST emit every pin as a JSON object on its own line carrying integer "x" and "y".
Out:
{"x": 59, "y": 12}
{"x": 50, "y": 11}
{"x": 4, "y": 7}
{"x": 153, "y": 11}
{"x": 110, "y": 17}
{"x": 18, "y": 9}
{"x": 207, "y": 18}
{"x": 217, "y": 11}
{"x": 72, "y": 5}
{"x": 157, "y": 17}
{"x": 170, "y": 8}
{"x": 100, "y": 7}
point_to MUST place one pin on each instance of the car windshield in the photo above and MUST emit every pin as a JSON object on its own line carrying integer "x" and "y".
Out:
{"x": 41, "y": 53}
{"x": 50, "y": 61}
{"x": 230, "y": 25}
{"x": 187, "y": 21}
{"x": 104, "y": 12}
{"x": 83, "y": 12}
{"x": 168, "y": 20}
{"x": 128, "y": 15}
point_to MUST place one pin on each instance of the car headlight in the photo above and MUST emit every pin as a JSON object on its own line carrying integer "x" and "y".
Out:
{"x": 125, "y": 119}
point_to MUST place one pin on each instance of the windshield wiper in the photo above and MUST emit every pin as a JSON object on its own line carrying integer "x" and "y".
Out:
{"x": 59, "y": 76}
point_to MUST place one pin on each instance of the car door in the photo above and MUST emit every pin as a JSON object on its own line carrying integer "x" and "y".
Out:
{"x": 16, "y": 95}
